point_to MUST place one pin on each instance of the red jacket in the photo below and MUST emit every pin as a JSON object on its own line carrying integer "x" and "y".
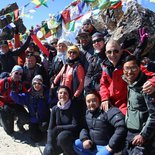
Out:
{"x": 5, "y": 88}
{"x": 114, "y": 88}
{"x": 65, "y": 77}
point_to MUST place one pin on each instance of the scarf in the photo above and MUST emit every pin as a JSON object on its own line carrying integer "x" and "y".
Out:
{"x": 65, "y": 106}
{"x": 61, "y": 56}
{"x": 37, "y": 94}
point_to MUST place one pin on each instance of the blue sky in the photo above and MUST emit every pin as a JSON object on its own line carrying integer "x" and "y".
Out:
{"x": 41, "y": 13}
{"x": 54, "y": 7}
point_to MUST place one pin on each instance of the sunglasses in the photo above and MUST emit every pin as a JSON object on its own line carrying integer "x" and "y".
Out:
{"x": 53, "y": 43}
{"x": 18, "y": 73}
{"x": 37, "y": 83}
{"x": 83, "y": 37}
{"x": 115, "y": 51}
{"x": 133, "y": 68}
{"x": 97, "y": 40}
{"x": 72, "y": 52}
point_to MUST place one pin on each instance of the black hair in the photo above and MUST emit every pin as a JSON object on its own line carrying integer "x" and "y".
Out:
{"x": 95, "y": 92}
{"x": 132, "y": 58}
{"x": 67, "y": 88}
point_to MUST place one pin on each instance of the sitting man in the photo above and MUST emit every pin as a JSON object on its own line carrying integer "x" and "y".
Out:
{"x": 105, "y": 131}
{"x": 8, "y": 109}
{"x": 140, "y": 117}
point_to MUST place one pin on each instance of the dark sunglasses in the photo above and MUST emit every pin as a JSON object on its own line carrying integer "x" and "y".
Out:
{"x": 18, "y": 73}
{"x": 112, "y": 51}
{"x": 97, "y": 40}
{"x": 35, "y": 83}
{"x": 72, "y": 52}
{"x": 53, "y": 43}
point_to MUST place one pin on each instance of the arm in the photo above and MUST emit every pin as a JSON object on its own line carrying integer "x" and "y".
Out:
{"x": 104, "y": 92}
{"x": 19, "y": 98}
{"x": 116, "y": 119}
{"x": 88, "y": 77}
{"x": 23, "y": 47}
{"x": 58, "y": 77}
{"x": 149, "y": 86}
{"x": 80, "y": 76}
{"x": 148, "y": 130}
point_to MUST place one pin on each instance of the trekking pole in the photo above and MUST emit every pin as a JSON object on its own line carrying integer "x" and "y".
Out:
{"x": 37, "y": 145}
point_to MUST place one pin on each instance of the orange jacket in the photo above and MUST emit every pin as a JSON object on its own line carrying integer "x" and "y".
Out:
{"x": 65, "y": 77}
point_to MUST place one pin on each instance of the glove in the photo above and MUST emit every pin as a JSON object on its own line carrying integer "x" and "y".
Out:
{"x": 143, "y": 35}
{"x": 143, "y": 43}
{"x": 47, "y": 149}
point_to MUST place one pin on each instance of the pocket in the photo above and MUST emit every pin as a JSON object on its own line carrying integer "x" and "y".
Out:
{"x": 133, "y": 120}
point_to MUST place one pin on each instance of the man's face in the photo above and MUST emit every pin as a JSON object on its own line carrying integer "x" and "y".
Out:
{"x": 92, "y": 102}
{"x": 113, "y": 53}
{"x": 98, "y": 44}
{"x": 84, "y": 39}
{"x": 131, "y": 71}
{"x": 87, "y": 26}
{"x": 30, "y": 61}
{"x": 4, "y": 48}
{"x": 16, "y": 75}
{"x": 61, "y": 47}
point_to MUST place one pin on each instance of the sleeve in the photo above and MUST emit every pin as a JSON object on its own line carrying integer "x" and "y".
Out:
{"x": 148, "y": 130}
{"x": 152, "y": 80}
{"x": 19, "y": 98}
{"x": 58, "y": 77}
{"x": 84, "y": 135}
{"x": 88, "y": 77}
{"x": 73, "y": 126}
{"x": 52, "y": 124}
{"x": 23, "y": 48}
{"x": 104, "y": 84}
{"x": 81, "y": 76}
{"x": 117, "y": 120}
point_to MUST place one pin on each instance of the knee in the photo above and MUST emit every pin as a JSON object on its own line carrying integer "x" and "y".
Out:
{"x": 78, "y": 143}
{"x": 64, "y": 138}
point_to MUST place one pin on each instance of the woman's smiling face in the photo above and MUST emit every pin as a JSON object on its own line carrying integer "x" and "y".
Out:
{"x": 63, "y": 95}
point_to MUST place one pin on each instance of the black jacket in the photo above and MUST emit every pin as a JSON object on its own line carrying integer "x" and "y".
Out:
{"x": 94, "y": 72}
{"x": 9, "y": 60}
{"x": 105, "y": 128}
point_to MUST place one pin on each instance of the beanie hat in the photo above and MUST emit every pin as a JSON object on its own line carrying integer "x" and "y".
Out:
{"x": 62, "y": 41}
{"x": 36, "y": 78}
{"x": 97, "y": 35}
{"x": 73, "y": 48}
{"x": 17, "y": 68}
{"x": 87, "y": 21}
{"x": 83, "y": 32}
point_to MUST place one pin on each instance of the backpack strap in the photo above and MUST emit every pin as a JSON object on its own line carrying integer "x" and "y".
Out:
{"x": 5, "y": 86}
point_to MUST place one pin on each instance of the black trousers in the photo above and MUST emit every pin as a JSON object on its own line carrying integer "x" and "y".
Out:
{"x": 130, "y": 149}
{"x": 61, "y": 142}
{"x": 7, "y": 116}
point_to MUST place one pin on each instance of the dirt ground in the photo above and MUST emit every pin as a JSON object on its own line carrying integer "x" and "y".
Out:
{"x": 19, "y": 144}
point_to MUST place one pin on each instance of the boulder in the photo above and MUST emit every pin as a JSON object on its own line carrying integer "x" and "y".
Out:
{"x": 126, "y": 24}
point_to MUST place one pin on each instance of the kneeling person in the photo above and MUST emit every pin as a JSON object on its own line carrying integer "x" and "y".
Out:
{"x": 105, "y": 131}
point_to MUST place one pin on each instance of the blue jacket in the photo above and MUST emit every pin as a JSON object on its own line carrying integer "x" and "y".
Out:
{"x": 38, "y": 107}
